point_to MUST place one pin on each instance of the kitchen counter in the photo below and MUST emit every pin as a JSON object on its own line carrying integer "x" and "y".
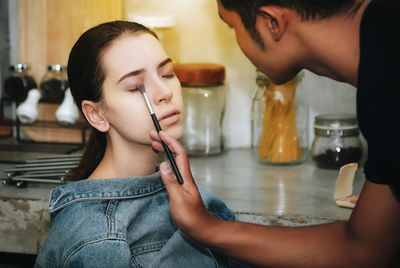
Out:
{"x": 272, "y": 194}
{"x": 266, "y": 194}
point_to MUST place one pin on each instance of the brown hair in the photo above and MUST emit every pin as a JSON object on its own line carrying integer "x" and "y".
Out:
{"x": 86, "y": 76}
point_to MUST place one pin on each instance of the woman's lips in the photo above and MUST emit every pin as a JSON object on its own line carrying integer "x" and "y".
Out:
{"x": 170, "y": 118}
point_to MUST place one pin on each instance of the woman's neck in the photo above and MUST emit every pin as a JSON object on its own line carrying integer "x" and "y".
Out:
{"x": 123, "y": 159}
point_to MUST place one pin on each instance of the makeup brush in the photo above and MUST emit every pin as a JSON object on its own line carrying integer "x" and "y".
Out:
{"x": 158, "y": 128}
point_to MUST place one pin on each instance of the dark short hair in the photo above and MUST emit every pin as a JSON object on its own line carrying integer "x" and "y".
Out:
{"x": 307, "y": 9}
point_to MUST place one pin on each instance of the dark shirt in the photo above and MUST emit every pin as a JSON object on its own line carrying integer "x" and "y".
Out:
{"x": 378, "y": 94}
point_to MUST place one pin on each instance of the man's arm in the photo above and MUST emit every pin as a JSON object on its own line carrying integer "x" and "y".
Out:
{"x": 370, "y": 238}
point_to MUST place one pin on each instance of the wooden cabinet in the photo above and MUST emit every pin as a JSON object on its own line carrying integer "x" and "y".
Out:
{"x": 49, "y": 28}
{"x": 47, "y": 31}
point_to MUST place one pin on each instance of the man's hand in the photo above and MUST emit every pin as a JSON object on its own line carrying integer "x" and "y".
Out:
{"x": 186, "y": 206}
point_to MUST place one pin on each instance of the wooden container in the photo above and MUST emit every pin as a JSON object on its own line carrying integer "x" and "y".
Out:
{"x": 200, "y": 73}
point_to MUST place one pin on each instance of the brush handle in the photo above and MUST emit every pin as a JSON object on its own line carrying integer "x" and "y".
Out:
{"x": 167, "y": 151}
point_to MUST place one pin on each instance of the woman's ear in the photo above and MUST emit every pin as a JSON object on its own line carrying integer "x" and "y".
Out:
{"x": 275, "y": 20}
{"x": 94, "y": 116}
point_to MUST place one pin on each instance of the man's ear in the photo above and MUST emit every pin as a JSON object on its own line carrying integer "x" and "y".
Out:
{"x": 93, "y": 114}
{"x": 275, "y": 20}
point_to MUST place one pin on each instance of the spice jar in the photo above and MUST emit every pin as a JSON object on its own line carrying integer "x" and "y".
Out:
{"x": 53, "y": 84}
{"x": 279, "y": 124}
{"x": 337, "y": 140}
{"x": 203, "y": 92}
{"x": 19, "y": 82}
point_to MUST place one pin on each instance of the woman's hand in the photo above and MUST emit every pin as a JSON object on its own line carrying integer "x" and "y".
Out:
{"x": 186, "y": 206}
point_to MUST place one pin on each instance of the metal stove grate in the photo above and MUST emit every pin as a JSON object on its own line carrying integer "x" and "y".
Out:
{"x": 45, "y": 169}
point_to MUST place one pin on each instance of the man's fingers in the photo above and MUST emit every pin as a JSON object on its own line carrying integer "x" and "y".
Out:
{"x": 172, "y": 144}
{"x": 168, "y": 177}
{"x": 157, "y": 146}
{"x": 156, "y": 141}
{"x": 179, "y": 153}
{"x": 154, "y": 135}
{"x": 181, "y": 160}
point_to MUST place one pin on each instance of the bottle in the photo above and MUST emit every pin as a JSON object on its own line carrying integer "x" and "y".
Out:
{"x": 203, "y": 92}
{"x": 337, "y": 140}
{"x": 27, "y": 111}
{"x": 19, "y": 82}
{"x": 67, "y": 113}
{"x": 279, "y": 125}
{"x": 53, "y": 84}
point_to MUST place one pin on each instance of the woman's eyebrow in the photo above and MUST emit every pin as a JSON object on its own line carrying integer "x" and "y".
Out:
{"x": 140, "y": 71}
{"x": 130, "y": 74}
{"x": 164, "y": 62}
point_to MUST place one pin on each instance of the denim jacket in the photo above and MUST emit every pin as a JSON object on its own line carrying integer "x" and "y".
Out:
{"x": 123, "y": 222}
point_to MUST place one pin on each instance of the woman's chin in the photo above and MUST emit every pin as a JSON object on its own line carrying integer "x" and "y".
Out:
{"x": 175, "y": 132}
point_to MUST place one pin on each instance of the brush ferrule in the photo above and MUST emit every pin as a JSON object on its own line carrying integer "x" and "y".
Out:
{"x": 146, "y": 98}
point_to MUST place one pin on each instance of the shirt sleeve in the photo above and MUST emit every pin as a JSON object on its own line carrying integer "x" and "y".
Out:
{"x": 103, "y": 253}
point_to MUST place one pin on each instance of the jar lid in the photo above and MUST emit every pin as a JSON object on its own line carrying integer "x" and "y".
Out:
{"x": 153, "y": 19}
{"x": 336, "y": 121}
{"x": 56, "y": 67}
{"x": 200, "y": 73}
{"x": 20, "y": 67}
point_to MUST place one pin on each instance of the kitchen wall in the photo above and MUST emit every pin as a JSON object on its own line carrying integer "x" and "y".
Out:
{"x": 48, "y": 29}
{"x": 204, "y": 37}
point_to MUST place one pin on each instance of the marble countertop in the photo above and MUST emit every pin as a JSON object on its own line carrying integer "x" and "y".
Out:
{"x": 265, "y": 194}
{"x": 249, "y": 187}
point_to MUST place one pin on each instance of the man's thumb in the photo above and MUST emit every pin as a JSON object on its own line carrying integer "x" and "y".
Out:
{"x": 166, "y": 173}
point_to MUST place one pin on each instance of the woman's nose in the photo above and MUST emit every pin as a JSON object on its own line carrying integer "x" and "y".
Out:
{"x": 161, "y": 92}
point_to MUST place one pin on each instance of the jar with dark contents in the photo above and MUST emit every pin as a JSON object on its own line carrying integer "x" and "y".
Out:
{"x": 18, "y": 83}
{"x": 337, "y": 141}
{"x": 53, "y": 84}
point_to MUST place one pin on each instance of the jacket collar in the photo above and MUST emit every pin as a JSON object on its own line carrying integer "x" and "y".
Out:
{"x": 104, "y": 189}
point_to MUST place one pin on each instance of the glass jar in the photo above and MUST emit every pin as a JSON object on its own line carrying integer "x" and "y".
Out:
{"x": 203, "y": 92}
{"x": 53, "y": 84}
{"x": 163, "y": 24}
{"x": 279, "y": 125}
{"x": 19, "y": 82}
{"x": 337, "y": 140}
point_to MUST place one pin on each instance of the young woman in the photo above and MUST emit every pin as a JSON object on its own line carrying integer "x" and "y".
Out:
{"x": 115, "y": 213}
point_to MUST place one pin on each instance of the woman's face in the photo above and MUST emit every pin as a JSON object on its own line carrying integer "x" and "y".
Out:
{"x": 139, "y": 61}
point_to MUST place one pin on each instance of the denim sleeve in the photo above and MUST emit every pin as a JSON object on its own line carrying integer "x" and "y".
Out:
{"x": 216, "y": 206}
{"x": 103, "y": 253}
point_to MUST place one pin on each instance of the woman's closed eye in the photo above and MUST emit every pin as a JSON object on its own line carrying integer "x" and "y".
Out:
{"x": 169, "y": 75}
{"x": 136, "y": 88}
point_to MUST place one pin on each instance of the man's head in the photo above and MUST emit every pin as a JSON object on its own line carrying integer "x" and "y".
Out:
{"x": 307, "y": 9}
